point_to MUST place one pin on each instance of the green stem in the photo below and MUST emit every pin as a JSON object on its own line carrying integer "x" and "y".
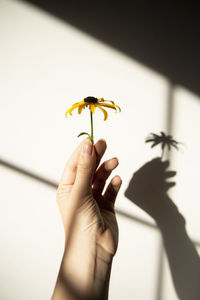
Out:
{"x": 91, "y": 119}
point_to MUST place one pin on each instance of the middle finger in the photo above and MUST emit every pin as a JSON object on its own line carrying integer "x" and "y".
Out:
{"x": 103, "y": 173}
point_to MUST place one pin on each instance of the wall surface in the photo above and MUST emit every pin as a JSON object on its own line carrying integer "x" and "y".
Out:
{"x": 46, "y": 66}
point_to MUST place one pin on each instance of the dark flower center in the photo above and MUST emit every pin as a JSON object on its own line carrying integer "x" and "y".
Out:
{"x": 90, "y": 99}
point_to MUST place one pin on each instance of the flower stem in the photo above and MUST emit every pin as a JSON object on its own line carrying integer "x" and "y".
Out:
{"x": 91, "y": 119}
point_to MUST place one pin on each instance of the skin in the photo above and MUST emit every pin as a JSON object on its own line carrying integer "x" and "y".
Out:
{"x": 90, "y": 226}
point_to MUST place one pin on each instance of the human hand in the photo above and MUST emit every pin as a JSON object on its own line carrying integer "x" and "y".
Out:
{"x": 88, "y": 216}
{"x": 80, "y": 194}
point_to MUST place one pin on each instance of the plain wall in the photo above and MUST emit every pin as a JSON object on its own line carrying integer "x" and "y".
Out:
{"x": 46, "y": 65}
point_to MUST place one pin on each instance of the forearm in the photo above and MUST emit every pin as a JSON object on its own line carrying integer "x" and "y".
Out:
{"x": 84, "y": 275}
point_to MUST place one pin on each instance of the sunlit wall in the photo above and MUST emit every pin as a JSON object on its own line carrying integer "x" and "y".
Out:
{"x": 46, "y": 66}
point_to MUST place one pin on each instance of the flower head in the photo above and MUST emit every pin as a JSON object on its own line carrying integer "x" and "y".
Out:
{"x": 92, "y": 103}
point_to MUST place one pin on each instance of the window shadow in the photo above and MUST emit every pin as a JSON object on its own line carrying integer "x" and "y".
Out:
{"x": 164, "y": 37}
{"x": 27, "y": 173}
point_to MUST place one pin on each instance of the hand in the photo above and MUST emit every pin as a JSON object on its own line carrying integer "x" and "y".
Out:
{"x": 80, "y": 195}
{"x": 88, "y": 215}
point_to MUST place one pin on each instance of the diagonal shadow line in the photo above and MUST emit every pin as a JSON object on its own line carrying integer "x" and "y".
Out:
{"x": 27, "y": 173}
{"x": 54, "y": 185}
{"x": 135, "y": 218}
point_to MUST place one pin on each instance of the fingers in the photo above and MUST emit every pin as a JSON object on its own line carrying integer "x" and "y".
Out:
{"x": 100, "y": 148}
{"x": 85, "y": 170}
{"x": 113, "y": 189}
{"x": 103, "y": 173}
{"x": 79, "y": 170}
{"x": 69, "y": 173}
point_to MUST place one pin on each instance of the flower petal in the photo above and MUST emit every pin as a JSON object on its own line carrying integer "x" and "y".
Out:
{"x": 73, "y": 107}
{"x": 81, "y": 108}
{"x": 69, "y": 111}
{"x": 102, "y": 100}
{"x": 104, "y": 111}
{"x": 80, "y": 103}
{"x": 113, "y": 106}
{"x": 92, "y": 107}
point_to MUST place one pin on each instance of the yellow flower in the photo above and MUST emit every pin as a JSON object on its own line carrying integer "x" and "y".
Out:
{"x": 93, "y": 102}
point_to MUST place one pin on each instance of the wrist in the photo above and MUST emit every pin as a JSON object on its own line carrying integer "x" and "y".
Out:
{"x": 101, "y": 273}
{"x": 84, "y": 274}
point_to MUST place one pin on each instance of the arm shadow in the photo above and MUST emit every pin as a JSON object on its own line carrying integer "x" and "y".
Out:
{"x": 148, "y": 189}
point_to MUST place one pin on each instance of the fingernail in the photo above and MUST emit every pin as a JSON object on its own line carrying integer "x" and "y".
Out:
{"x": 87, "y": 148}
{"x": 117, "y": 160}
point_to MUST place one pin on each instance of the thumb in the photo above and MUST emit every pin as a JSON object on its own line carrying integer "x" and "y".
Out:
{"x": 85, "y": 169}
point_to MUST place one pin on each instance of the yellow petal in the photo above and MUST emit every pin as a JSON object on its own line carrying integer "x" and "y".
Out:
{"x": 104, "y": 111}
{"x": 108, "y": 105}
{"x": 81, "y": 108}
{"x": 102, "y": 100}
{"x": 118, "y": 108}
{"x": 80, "y": 103}
{"x": 92, "y": 108}
{"x": 73, "y": 107}
{"x": 113, "y": 106}
{"x": 69, "y": 111}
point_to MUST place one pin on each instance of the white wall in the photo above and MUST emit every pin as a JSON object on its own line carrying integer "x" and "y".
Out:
{"x": 46, "y": 66}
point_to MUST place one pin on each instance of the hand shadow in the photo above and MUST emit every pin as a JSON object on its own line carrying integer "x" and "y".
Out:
{"x": 148, "y": 190}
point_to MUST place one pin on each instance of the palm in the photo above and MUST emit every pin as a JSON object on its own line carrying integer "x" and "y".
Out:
{"x": 109, "y": 236}
{"x": 98, "y": 217}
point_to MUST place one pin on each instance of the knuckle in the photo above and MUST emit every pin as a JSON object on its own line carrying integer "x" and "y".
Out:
{"x": 71, "y": 167}
{"x": 84, "y": 167}
{"x": 63, "y": 190}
